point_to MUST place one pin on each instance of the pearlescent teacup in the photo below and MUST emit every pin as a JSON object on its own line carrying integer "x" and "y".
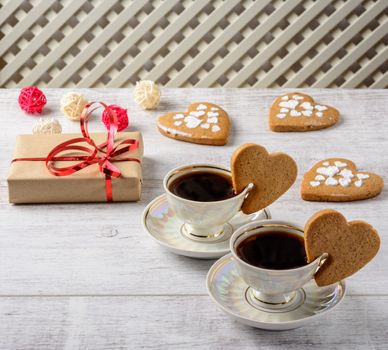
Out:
{"x": 272, "y": 286}
{"x": 203, "y": 220}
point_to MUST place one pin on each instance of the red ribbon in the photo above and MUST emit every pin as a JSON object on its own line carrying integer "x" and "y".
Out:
{"x": 104, "y": 154}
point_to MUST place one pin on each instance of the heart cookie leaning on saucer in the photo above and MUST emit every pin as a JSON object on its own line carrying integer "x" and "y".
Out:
{"x": 299, "y": 112}
{"x": 338, "y": 180}
{"x": 350, "y": 245}
{"x": 204, "y": 123}
{"x": 271, "y": 173}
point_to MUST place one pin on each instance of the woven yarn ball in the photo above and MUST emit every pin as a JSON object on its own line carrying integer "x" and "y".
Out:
{"x": 147, "y": 94}
{"x": 122, "y": 117}
{"x": 47, "y": 126}
{"x": 31, "y": 99}
{"x": 72, "y": 105}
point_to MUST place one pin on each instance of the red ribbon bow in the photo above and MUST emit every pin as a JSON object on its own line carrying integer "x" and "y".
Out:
{"x": 103, "y": 154}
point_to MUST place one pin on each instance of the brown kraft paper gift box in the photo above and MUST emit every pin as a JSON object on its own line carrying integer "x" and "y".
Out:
{"x": 31, "y": 181}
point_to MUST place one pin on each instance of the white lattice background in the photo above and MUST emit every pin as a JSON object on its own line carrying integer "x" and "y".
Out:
{"x": 202, "y": 43}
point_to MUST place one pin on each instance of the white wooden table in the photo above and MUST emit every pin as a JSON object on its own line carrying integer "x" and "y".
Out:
{"x": 87, "y": 276}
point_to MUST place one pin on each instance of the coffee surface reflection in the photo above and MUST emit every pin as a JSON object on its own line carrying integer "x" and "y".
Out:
{"x": 273, "y": 250}
{"x": 203, "y": 186}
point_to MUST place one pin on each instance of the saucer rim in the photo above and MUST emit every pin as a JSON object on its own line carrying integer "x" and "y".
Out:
{"x": 273, "y": 326}
{"x": 183, "y": 252}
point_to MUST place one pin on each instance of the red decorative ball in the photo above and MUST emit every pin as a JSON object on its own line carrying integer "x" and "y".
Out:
{"x": 31, "y": 99}
{"x": 122, "y": 117}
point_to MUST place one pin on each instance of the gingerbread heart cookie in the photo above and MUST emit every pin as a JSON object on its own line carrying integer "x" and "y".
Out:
{"x": 272, "y": 174}
{"x": 203, "y": 123}
{"x": 299, "y": 112}
{"x": 350, "y": 245}
{"x": 338, "y": 180}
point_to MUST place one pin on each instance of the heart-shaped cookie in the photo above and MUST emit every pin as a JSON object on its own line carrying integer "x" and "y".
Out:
{"x": 203, "y": 123}
{"x": 338, "y": 180}
{"x": 350, "y": 245}
{"x": 272, "y": 174}
{"x": 299, "y": 112}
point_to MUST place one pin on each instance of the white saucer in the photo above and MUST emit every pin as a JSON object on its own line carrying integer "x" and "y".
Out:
{"x": 232, "y": 295}
{"x": 164, "y": 227}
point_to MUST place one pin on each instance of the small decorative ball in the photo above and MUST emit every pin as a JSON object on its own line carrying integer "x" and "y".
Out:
{"x": 147, "y": 94}
{"x": 72, "y": 105}
{"x": 122, "y": 117}
{"x": 31, "y": 99}
{"x": 47, "y": 126}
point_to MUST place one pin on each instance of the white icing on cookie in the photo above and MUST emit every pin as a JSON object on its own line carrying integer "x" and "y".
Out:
{"x": 315, "y": 183}
{"x": 201, "y": 107}
{"x": 328, "y": 171}
{"x": 346, "y": 173}
{"x": 358, "y": 183}
{"x": 197, "y": 113}
{"x": 307, "y": 105}
{"x": 212, "y": 120}
{"x": 307, "y": 113}
{"x": 289, "y": 104}
{"x": 331, "y": 181}
{"x": 192, "y": 122}
{"x": 340, "y": 164}
{"x": 174, "y": 131}
{"x": 344, "y": 181}
{"x": 201, "y": 117}
{"x": 335, "y": 176}
{"x": 295, "y": 113}
{"x": 294, "y": 107}
{"x": 362, "y": 176}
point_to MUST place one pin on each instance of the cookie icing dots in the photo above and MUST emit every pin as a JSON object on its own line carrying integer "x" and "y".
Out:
{"x": 287, "y": 107}
{"x": 201, "y": 123}
{"x": 337, "y": 174}
{"x": 194, "y": 119}
{"x": 201, "y": 107}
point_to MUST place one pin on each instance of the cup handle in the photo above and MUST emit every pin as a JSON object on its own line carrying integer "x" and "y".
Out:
{"x": 245, "y": 218}
{"x": 248, "y": 189}
{"x": 322, "y": 260}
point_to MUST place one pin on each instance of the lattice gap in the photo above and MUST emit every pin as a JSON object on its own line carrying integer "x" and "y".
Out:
{"x": 202, "y": 43}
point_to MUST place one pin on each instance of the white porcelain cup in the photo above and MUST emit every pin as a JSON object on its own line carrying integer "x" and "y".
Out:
{"x": 204, "y": 220}
{"x": 272, "y": 286}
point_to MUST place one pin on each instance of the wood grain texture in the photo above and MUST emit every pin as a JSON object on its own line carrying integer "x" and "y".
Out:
{"x": 87, "y": 276}
{"x": 171, "y": 322}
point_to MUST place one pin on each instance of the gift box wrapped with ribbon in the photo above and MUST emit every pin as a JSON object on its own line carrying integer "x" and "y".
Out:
{"x": 70, "y": 168}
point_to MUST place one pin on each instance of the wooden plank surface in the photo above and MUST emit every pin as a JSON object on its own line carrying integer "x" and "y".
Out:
{"x": 172, "y": 322}
{"x": 67, "y": 282}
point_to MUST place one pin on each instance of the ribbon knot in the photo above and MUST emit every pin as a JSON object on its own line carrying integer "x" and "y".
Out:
{"x": 89, "y": 153}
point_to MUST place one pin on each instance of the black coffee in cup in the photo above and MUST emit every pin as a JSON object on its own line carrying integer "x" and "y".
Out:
{"x": 203, "y": 186}
{"x": 273, "y": 250}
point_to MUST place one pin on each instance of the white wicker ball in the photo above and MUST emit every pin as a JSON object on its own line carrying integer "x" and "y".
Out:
{"x": 72, "y": 105}
{"x": 47, "y": 126}
{"x": 147, "y": 94}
